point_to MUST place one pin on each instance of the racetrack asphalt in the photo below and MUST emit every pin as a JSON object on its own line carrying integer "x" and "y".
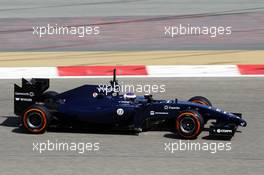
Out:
{"x": 19, "y": 59}
{"x": 144, "y": 154}
{"x": 131, "y": 25}
{"x": 84, "y": 8}
{"x": 124, "y": 154}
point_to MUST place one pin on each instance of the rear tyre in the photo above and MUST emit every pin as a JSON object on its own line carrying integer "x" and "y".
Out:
{"x": 189, "y": 124}
{"x": 200, "y": 100}
{"x": 35, "y": 119}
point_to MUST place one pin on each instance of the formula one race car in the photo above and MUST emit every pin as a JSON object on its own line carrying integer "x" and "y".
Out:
{"x": 90, "y": 105}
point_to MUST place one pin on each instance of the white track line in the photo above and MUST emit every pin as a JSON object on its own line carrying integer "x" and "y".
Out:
{"x": 190, "y": 71}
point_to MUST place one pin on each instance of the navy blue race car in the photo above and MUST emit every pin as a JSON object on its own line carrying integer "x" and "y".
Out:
{"x": 89, "y": 106}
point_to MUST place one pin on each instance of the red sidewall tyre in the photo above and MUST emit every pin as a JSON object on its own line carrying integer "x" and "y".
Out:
{"x": 200, "y": 100}
{"x": 197, "y": 122}
{"x": 38, "y": 113}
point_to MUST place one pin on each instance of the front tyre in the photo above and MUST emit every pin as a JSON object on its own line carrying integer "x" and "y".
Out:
{"x": 36, "y": 119}
{"x": 200, "y": 100}
{"x": 189, "y": 124}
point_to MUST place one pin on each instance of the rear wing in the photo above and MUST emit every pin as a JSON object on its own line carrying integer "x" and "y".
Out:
{"x": 28, "y": 93}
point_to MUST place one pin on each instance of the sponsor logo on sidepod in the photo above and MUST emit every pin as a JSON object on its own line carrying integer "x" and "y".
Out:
{"x": 166, "y": 107}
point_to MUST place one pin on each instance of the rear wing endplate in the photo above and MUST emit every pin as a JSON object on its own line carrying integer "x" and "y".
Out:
{"x": 28, "y": 93}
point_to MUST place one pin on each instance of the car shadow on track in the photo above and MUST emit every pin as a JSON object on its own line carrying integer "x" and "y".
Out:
{"x": 10, "y": 121}
{"x": 91, "y": 131}
{"x": 175, "y": 136}
{"x": 13, "y": 122}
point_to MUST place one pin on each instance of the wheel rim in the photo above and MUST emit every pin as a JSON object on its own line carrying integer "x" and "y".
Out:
{"x": 187, "y": 125}
{"x": 34, "y": 120}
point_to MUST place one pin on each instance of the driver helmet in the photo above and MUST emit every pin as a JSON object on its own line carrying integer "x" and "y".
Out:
{"x": 129, "y": 96}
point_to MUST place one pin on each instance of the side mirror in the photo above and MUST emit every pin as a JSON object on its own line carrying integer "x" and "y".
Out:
{"x": 148, "y": 97}
{"x": 98, "y": 95}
